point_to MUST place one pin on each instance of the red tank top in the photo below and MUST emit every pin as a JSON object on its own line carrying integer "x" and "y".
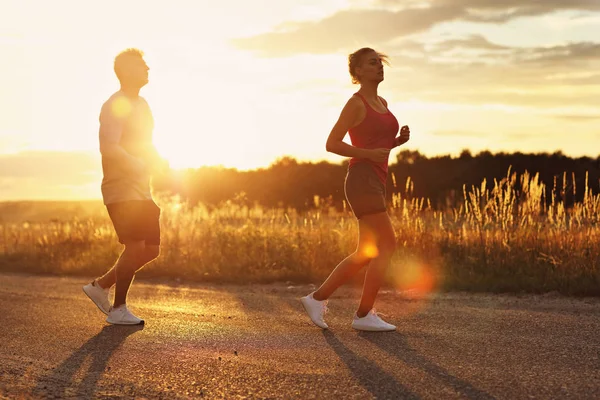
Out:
{"x": 376, "y": 131}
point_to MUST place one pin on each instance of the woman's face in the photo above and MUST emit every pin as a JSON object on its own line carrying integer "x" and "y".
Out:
{"x": 370, "y": 68}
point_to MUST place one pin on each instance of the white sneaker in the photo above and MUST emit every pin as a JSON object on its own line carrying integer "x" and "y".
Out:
{"x": 122, "y": 316}
{"x": 98, "y": 295}
{"x": 371, "y": 322}
{"x": 315, "y": 309}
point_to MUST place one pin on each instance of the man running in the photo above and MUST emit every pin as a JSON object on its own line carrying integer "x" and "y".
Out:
{"x": 128, "y": 159}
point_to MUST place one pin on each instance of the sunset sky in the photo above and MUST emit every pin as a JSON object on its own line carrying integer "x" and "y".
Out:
{"x": 241, "y": 83}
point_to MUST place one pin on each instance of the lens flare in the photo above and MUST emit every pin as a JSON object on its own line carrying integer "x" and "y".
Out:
{"x": 121, "y": 107}
{"x": 370, "y": 250}
{"x": 415, "y": 277}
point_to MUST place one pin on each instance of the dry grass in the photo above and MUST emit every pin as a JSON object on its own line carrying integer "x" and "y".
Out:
{"x": 508, "y": 238}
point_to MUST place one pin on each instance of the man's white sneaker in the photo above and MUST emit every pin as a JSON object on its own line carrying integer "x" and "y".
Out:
{"x": 315, "y": 309}
{"x": 122, "y": 316}
{"x": 371, "y": 322}
{"x": 98, "y": 295}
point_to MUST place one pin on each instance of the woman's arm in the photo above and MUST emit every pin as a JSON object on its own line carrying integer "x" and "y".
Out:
{"x": 352, "y": 114}
{"x": 404, "y": 136}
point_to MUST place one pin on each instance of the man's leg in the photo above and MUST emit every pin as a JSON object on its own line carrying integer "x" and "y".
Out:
{"x": 140, "y": 233}
{"x": 151, "y": 252}
{"x": 130, "y": 261}
{"x": 134, "y": 257}
{"x": 108, "y": 280}
{"x": 121, "y": 216}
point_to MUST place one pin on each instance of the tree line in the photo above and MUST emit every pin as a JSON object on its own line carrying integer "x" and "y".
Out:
{"x": 305, "y": 185}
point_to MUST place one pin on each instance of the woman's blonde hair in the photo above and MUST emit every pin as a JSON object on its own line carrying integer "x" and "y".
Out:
{"x": 355, "y": 59}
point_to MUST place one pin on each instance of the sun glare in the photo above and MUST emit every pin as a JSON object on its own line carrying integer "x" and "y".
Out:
{"x": 415, "y": 278}
{"x": 370, "y": 250}
{"x": 207, "y": 123}
{"x": 121, "y": 107}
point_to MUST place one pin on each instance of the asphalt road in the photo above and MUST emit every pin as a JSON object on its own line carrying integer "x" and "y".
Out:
{"x": 254, "y": 341}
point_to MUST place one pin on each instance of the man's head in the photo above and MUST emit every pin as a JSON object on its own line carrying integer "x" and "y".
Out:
{"x": 131, "y": 69}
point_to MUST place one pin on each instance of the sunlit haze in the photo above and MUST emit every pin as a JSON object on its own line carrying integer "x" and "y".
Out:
{"x": 240, "y": 83}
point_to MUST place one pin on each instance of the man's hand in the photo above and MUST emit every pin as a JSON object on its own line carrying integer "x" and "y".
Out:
{"x": 161, "y": 166}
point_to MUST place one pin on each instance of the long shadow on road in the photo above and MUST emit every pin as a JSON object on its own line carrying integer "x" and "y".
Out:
{"x": 61, "y": 381}
{"x": 395, "y": 345}
{"x": 371, "y": 376}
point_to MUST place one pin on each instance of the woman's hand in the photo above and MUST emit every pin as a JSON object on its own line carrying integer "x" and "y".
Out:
{"x": 404, "y": 136}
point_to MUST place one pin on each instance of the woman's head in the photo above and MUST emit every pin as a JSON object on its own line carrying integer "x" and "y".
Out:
{"x": 366, "y": 64}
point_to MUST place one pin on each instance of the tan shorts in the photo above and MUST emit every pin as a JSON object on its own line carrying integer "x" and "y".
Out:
{"x": 364, "y": 190}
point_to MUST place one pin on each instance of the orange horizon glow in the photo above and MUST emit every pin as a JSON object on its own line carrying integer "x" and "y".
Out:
{"x": 234, "y": 86}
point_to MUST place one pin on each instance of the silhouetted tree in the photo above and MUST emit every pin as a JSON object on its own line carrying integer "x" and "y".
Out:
{"x": 289, "y": 183}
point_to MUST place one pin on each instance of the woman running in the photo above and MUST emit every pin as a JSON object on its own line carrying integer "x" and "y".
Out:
{"x": 372, "y": 128}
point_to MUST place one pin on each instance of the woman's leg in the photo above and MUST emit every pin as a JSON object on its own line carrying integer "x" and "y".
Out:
{"x": 385, "y": 239}
{"x": 366, "y": 250}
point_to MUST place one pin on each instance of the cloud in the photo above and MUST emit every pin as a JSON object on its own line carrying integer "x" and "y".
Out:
{"x": 506, "y": 10}
{"x": 592, "y": 79}
{"x": 569, "y": 53}
{"x": 478, "y": 42}
{"x": 48, "y": 174}
{"x": 473, "y": 70}
{"x": 346, "y": 28}
{"x": 51, "y": 166}
{"x": 477, "y": 50}
{"x": 508, "y": 6}
{"x": 578, "y": 118}
{"x": 393, "y": 20}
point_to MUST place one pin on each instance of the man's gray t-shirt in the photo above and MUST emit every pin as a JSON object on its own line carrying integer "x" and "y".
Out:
{"x": 126, "y": 126}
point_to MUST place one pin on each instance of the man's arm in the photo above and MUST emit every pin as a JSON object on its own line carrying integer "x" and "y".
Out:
{"x": 153, "y": 159}
{"x": 150, "y": 154}
{"x": 111, "y": 128}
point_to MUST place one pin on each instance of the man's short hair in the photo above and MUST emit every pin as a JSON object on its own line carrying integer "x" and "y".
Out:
{"x": 122, "y": 57}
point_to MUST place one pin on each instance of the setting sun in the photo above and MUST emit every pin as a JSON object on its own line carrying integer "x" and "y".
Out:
{"x": 234, "y": 86}
{"x": 298, "y": 199}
